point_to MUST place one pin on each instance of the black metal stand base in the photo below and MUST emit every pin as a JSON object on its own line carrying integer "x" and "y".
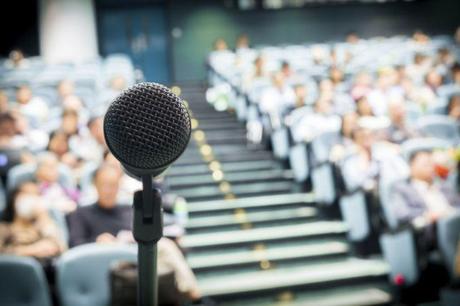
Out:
{"x": 147, "y": 230}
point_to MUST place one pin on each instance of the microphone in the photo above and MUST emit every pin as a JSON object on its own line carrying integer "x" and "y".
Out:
{"x": 147, "y": 128}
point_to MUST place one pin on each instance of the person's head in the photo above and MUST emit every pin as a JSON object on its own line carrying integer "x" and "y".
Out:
{"x": 323, "y": 106}
{"x": 326, "y": 85}
{"x": 457, "y": 35}
{"x": 7, "y": 125}
{"x": 286, "y": 69}
{"x": 69, "y": 124}
{"x": 16, "y": 56}
{"x": 242, "y": 42}
{"x": 259, "y": 64}
{"x": 107, "y": 182}
{"x": 420, "y": 37}
{"x": 47, "y": 168}
{"x": 72, "y": 103}
{"x": 349, "y": 121}
{"x": 433, "y": 79}
{"x": 118, "y": 83}
{"x": 362, "y": 137}
{"x": 419, "y": 58}
{"x": 58, "y": 143}
{"x": 363, "y": 107}
{"x": 300, "y": 91}
{"x": 220, "y": 44}
{"x": 3, "y": 102}
{"x": 96, "y": 128}
{"x": 453, "y": 108}
{"x": 387, "y": 77}
{"x": 110, "y": 160}
{"x": 278, "y": 80}
{"x": 422, "y": 166}
{"x": 66, "y": 88}
{"x": 336, "y": 75}
{"x": 352, "y": 38}
{"x": 23, "y": 94}
{"x": 444, "y": 56}
{"x": 397, "y": 110}
{"x": 24, "y": 203}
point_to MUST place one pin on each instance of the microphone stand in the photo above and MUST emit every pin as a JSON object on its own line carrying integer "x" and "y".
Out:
{"x": 147, "y": 230}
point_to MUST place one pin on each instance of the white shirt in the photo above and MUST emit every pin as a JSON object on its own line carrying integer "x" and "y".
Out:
{"x": 434, "y": 199}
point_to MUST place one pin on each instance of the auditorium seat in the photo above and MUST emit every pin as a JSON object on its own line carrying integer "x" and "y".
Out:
{"x": 448, "y": 230}
{"x": 439, "y": 126}
{"x": 83, "y": 273}
{"x": 23, "y": 282}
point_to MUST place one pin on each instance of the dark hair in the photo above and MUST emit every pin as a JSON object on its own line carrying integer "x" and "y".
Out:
{"x": 6, "y": 117}
{"x": 413, "y": 155}
{"x": 10, "y": 211}
{"x": 54, "y": 134}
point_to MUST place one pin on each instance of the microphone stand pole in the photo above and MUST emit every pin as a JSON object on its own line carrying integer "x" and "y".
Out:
{"x": 147, "y": 230}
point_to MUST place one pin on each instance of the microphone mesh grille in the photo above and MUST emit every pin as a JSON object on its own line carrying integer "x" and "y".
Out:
{"x": 147, "y": 126}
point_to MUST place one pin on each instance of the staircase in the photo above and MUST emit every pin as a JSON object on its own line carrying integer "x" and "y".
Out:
{"x": 254, "y": 236}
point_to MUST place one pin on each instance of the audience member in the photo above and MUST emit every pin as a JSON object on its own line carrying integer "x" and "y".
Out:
{"x": 34, "y": 108}
{"x": 55, "y": 195}
{"x": 28, "y": 229}
{"x": 107, "y": 222}
{"x": 398, "y": 131}
{"x": 421, "y": 200}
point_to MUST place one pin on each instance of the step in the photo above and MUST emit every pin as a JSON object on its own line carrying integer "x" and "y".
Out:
{"x": 241, "y": 151}
{"x": 296, "y": 252}
{"x": 255, "y": 217}
{"x": 220, "y": 126}
{"x": 253, "y": 176}
{"x": 254, "y": 156}
{"x": 368, "y": 294}
{"x": 275, "y": 233}
{"x": 309, "y": 275}
{"x": 179, "y": 170}
{"x": 252, "y": 203}
{"x": 240, "y": 190}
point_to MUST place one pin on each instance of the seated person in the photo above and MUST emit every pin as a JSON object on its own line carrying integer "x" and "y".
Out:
{"x": 10, "y": 151}
{"x": 107, "y": 222}
{"x": 54, "y": 194}
{"x": 59, "y": 145}
{"x": 398, "y": 131}
{"x": 420, "y": 201}
{"x": 362, "y": 167}
{"x": 34, "y": 108}
{"x": 28, "y": 229}
{"x": 89, "y": 144}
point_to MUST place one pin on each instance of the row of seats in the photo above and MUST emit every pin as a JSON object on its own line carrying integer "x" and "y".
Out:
{"x": 27, "y": 283}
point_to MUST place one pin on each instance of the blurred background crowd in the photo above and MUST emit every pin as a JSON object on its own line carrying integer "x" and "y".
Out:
{"x": 371, "y": 126}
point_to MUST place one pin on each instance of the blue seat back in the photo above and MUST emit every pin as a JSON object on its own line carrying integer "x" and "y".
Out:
{"x": 83, "y": 273}
{"x": 448, "y": 240}
{"x": 299, "y": 161}
{"x": 23, "y": 282}
{"x": 399, "y": 250}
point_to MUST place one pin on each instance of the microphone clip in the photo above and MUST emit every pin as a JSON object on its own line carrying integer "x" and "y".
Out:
{"x": 148, "y": 213}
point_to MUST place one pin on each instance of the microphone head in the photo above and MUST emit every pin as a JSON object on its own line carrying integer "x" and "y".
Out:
{"x": 147, "y": 128}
